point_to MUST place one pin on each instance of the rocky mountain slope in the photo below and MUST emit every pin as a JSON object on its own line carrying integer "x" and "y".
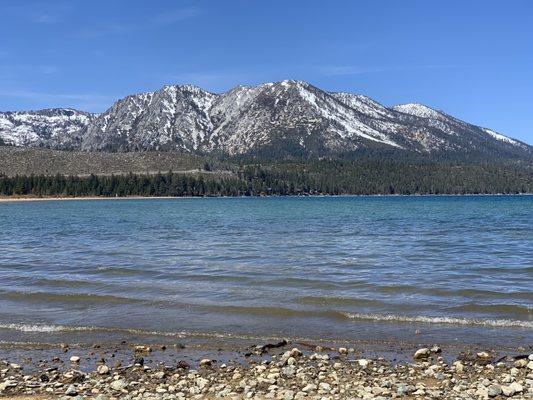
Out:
{"x": 52, "y": 127}
{"x": 281, "y": 118}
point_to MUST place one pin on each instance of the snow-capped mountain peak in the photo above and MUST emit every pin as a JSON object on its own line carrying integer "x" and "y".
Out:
{"x": 289, "y": 117}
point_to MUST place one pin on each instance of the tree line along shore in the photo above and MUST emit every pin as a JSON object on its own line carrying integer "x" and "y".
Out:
{"x": 296, "y": 177}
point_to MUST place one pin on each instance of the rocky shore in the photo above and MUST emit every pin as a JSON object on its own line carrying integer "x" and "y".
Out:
{"x": 279, "y": 370}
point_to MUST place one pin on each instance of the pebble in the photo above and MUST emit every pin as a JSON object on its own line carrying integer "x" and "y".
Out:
{"x": 289, "y": 376}
{"x": 206, "y": 362}
{"x": 71, "y": 391}
{"x": 483, "y": 355}
{"x": 74, "y": 359}
{"x": 494, "y": 390}
{"x": 436, "y": 349}
{"x": 363, "y": 363}
{"x": 421, "y": 354}
{"x": 102, "y": 369}
{"x": 118, "y": 385}
{"x": 143, "y": 349}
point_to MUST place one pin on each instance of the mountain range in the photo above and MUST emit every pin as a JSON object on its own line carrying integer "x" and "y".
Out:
{"x": 288, "y": 118}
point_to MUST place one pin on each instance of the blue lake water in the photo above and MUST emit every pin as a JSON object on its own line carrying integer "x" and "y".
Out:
{"x": 450, "y": 268}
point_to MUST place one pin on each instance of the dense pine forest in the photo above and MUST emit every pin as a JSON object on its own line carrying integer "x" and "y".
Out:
{"x": 297, "y": 177}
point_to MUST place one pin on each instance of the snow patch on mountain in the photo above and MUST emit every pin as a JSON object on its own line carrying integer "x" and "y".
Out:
{"x": 419, "y": 110}
{"x": 43, "y": 127}
{"x": 501, "y": 137}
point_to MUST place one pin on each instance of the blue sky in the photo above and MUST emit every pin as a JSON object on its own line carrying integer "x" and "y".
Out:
{"x": 472, "y": 59}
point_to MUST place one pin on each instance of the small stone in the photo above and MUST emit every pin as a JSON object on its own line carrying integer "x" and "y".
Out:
{"x": 363, "y": 363}
{"x": 142, "y": 349}
{"x": 182, "y": 365}
{"x": 421, "y": 354}
{"x": 309, "y": 387}
{"x": 530, "y": 365}
{"x": 288, "y": 395}
{"x": 7, "y": 384}
{"x": 159, "y": 375}
{"x": 483, "y": 355}
{"x": 403, "y": 389}
{"x": 507, "y": 391}
{"x": 295, "y": 353}
{"x": 14, "y": 366}
{"x": 494, "y": 390}
{"x": 343, "y": 350}
{"x": 74, "y": 359}
{"x": 206, "y": 362}
{"x": 71, "y": 391}
{"x": 516, "y": 387}
{"x": 459, "y": 367}
{"x": 436, "y": 349}
{"x": 289, "y": 371}
{"x": 102, "y": 369}
{"x": 118, "y": 385}
{"x": 201, "y": 383}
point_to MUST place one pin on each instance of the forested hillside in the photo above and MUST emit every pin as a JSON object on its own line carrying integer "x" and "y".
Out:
{"x": 297, "y": 177}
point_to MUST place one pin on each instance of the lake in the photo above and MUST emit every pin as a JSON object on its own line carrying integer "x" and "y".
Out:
{"x": 446, "y": 268}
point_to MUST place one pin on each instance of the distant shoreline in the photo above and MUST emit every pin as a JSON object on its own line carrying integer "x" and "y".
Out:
{"x": 24, "y": 199}
{"x": 13, "y": 199}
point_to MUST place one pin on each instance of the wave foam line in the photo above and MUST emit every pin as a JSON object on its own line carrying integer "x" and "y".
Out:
{"x": 43, "y": 328}
{"x": 501, "y": 323}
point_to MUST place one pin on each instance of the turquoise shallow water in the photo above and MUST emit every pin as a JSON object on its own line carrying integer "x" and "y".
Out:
{"x": 454, "y": 268}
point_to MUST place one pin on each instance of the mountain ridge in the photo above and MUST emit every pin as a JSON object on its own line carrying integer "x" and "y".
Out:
{"x": 287, "y": 118}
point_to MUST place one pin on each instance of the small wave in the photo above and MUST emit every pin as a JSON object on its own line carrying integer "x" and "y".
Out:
{"x": 45, "y": 328}
{"x": 504, "y": 309}
{"x": 68, "y": 297}
{"x": 42, "y": 328}
{"x": 501, "y": 323}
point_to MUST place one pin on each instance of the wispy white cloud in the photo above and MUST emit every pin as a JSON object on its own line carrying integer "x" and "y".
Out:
{"x": 340, "y": 70}
{"x": 18, "y": 71}
{"x": 150, "y": 22}
{"x": 83, "y": 101}
{"x": 336, "y": 70}
{"x": 39, "y": 12}
{"x": 45, "y": 18}
{"x": 173, "y": 16}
